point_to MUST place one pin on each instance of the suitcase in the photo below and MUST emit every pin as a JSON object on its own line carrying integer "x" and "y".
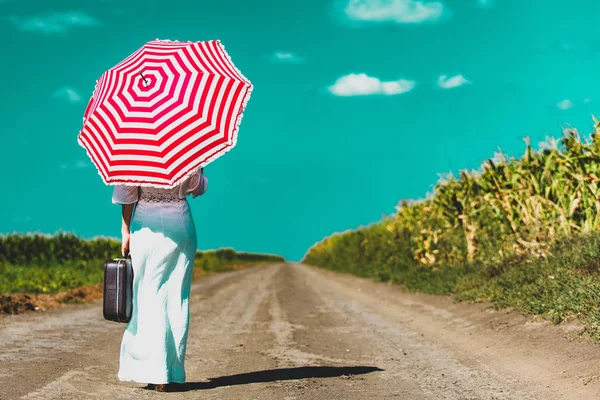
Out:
{"x": 118, "y": 289}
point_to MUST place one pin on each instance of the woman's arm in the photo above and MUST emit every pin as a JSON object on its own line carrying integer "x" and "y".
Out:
{"x": 127, "y": 196}
{"x": 127, "y": 210}
{"x": 195, "y": 184}
{"x": 202, "y": 185}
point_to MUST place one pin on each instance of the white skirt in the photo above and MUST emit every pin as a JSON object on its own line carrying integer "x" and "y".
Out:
{"x": 163, "y": 246}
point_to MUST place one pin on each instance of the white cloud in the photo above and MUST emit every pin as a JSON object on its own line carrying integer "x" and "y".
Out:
{"x": 76, "y": 164}
{"x": 565, "y": 104}
{"x": 399, "y": 11}
{"x": 565, "y": 46}
{"x": 587, "y": 100}
{"x": 286, "y": 57}
{"x": 448, "y": 83}
{"x": 53, "y": 23}
{"x": 362, "y": 85}
{"x": 68, "y": 94}
{"x": 485, "y": 3}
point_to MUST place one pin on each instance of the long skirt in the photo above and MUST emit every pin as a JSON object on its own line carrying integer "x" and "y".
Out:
{"x": 162, "y": 247}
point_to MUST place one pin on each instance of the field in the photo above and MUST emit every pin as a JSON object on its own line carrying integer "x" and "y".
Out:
{"x": 40, "y": 271}
{"x": 520, "y": 233}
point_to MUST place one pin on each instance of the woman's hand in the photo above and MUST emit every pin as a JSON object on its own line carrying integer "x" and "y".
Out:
{"x": 125, "y": 243}
{"x": 127, "y": 210}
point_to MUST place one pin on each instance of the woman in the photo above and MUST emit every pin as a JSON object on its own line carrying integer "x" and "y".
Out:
{"x": 162, "y": 238}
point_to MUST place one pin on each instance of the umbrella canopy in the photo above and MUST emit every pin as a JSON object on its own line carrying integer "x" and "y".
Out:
{"x": 165, "y": 110}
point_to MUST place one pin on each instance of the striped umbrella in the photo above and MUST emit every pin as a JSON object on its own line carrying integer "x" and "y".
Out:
{"x": 165, "y": 110}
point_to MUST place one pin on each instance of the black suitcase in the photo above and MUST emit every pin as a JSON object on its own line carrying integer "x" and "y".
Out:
{"x": 118, "y": 289}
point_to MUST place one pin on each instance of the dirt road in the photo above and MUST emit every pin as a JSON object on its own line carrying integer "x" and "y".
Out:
{"x": 296, "y": 332}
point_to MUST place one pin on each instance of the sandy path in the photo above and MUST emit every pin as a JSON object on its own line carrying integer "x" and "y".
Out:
{"x": 295, "y": 332}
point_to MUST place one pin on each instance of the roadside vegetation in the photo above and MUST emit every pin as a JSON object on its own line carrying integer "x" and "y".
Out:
{"x": 64, "y": 268}
{"x": 518, "y": 232}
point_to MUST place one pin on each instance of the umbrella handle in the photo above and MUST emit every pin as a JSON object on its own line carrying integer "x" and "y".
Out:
{"x": 144, "y": 78}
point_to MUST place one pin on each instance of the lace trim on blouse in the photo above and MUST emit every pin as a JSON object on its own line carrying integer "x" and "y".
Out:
{"x": 195, "y": 185}
{"x": 154, "y": 195}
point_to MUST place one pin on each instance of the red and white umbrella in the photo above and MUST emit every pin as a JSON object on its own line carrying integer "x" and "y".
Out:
{"x": 165, "y": 110}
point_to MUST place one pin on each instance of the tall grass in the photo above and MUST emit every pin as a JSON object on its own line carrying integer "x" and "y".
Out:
{"x": 223, "y": 259}
{"x": 38, "y": 263}
{"x": 519, "y": 231}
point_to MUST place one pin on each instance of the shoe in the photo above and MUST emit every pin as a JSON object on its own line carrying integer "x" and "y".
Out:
{"x": 169, "y": 387}
{"x": 161, "y": 387}
{"x": 150, "y": 386}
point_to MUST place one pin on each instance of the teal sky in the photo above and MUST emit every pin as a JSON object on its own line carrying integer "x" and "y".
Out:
{"x": 320, "y": 150}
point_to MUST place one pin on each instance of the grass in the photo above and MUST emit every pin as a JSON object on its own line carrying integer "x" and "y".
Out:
{"x": 559, "y": 287}
{"x": 564, "y": 285}
{"x": 44, "y": 264}
{"x": 50, "y": 278}
{"x": 223, "y": 260}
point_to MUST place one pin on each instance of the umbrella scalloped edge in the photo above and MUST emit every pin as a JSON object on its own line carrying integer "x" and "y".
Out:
{"x": 202, "y": 164}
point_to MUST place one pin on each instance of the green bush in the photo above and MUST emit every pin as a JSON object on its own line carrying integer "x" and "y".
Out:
{"x": 37, "y": 263}
{"x": 224, "y": 259}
